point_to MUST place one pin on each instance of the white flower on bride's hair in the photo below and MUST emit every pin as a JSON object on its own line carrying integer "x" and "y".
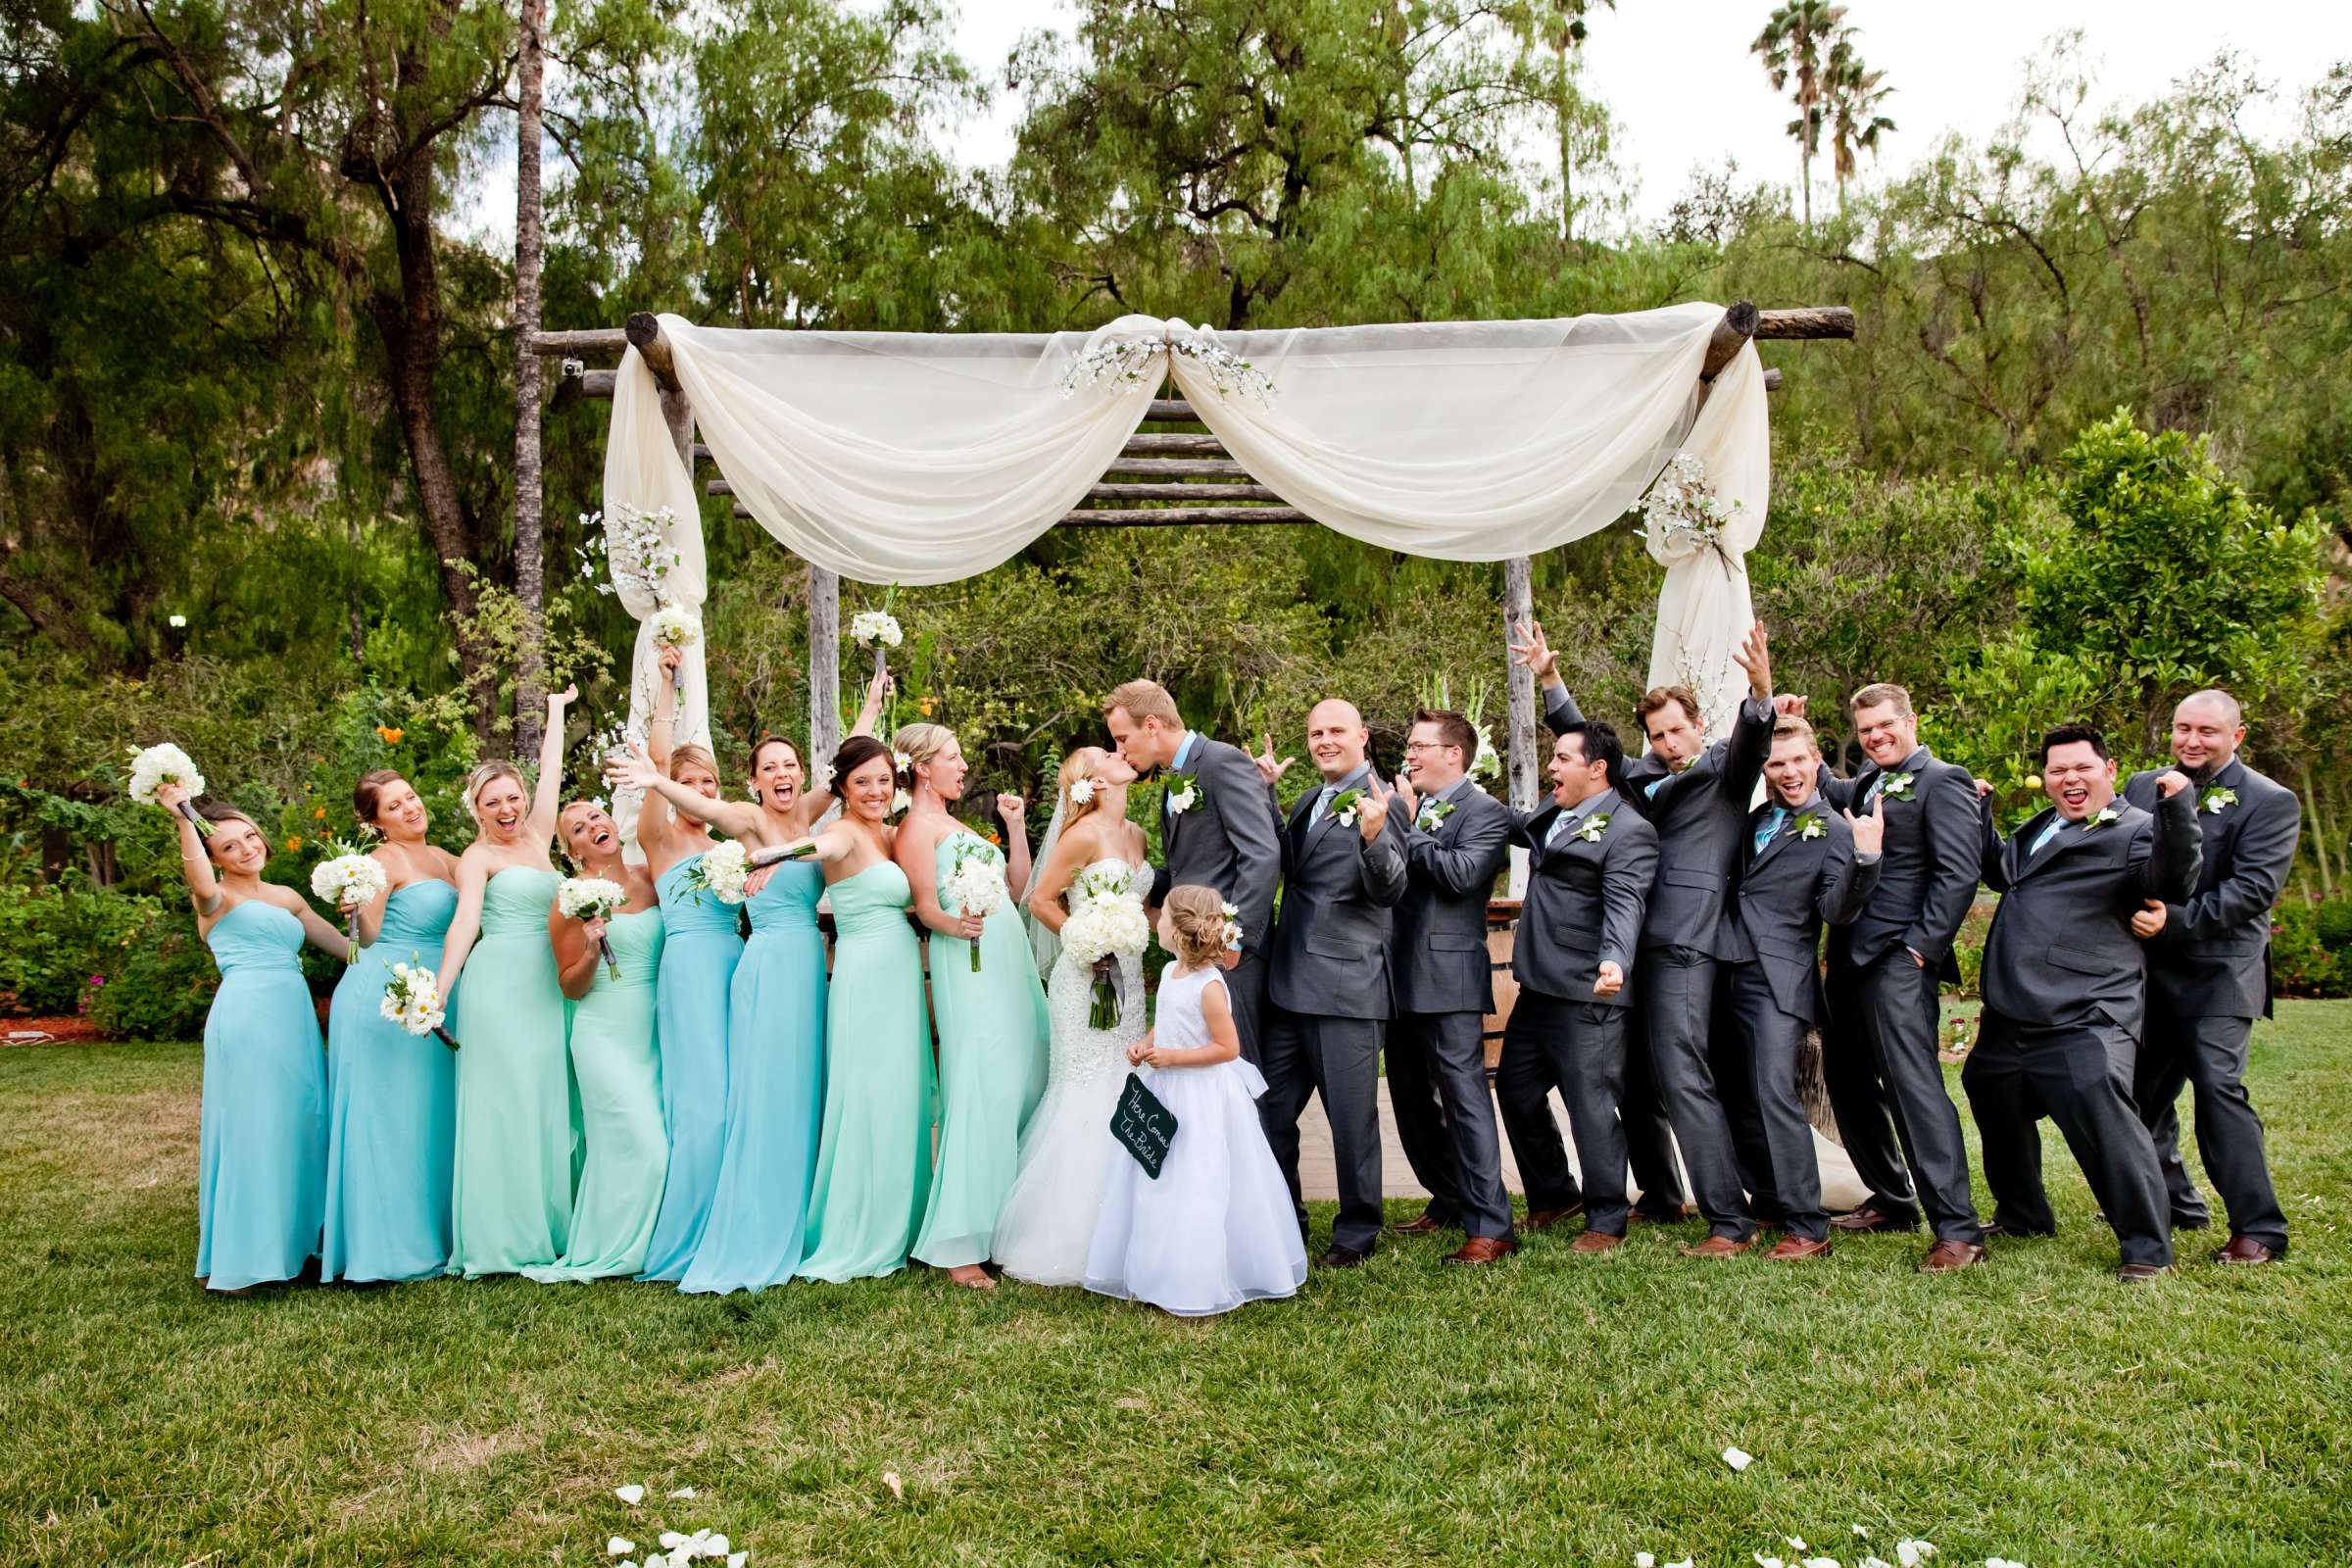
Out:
{"x": 1082, "y": 792}
{"x": 902, "y": 763}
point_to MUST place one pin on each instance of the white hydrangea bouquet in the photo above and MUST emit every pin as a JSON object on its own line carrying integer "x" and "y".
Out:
{"x": 676, "y": 627}
{"x": 1682, "y": 511}
{"x": 593, "y": 898}
{"x": 878, "y": 632}
{"x": 1106, "y": 923}
{"x": 167, "y": 763}
{"x": 722, "y": 871}
{"x": 975, "y": 884}
{"x": 347, "y": 880}
{"x": 412, "y": 999}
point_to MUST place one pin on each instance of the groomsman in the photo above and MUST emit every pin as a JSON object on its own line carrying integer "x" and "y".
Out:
{"x": 1591, "y": 861}
{"x": 2208, "y": 977}
{"x": 1215, "y": 829}
{"x": 1804, "y": 865}
{"x": 2066, "y": 990}
{"x": 1343, "y": 866}
{"x": 1879, "y": 1052}
{"x": 1437, "y": 1059}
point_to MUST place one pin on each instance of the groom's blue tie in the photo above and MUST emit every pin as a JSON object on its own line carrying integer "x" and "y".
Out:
{"x": 1769, "y": 829}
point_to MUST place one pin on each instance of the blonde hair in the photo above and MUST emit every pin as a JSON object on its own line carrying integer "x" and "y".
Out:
{"x": 1085, "y": 762}
{"x": 1794, "y": 724}
{"x": 920, "y": 743}
{"x": 1143, "y": 699}
{"x": 482, "y": 777}
{"x": 1885, "y": 693}
{"x": 699, "y": 756}
{"x": 1199, "y": 915}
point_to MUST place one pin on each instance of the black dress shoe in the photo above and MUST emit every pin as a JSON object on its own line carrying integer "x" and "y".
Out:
{"x": 1428, "y": 1224}
{"x": 2140, "y": 1273}
{"x": 1994, "y": 1226}
{"x": 1868, "y": 1220}
{"x": 1342, "y": 1257}
{"x": 1543, "y": 1219}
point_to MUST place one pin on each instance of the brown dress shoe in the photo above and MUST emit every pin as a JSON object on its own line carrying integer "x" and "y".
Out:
{"x": 1671, "y": 1216}
{"x": 1591, "y": 1242}
{"x": 1484, "y": 1250}
{"x": 1866, "y": 1221}
{"x": 2140, "y": 1273}
{"x": 1796, "y": 1249}
{"x": 1342, "y": 1257}
{"x": 1950, "y": 1258}
{"x": 1718, "y": 1246}
{"x": 1543, "y": 1219}
{"x": 2246, "y": 1250}
{"x": 1424, "y": 1226}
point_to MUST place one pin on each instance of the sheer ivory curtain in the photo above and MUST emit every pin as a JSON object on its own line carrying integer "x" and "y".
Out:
{"x": 922, "y": 459}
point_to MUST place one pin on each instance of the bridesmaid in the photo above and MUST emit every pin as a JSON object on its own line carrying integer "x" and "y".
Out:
{"x": 392, "y": 1097}
{"x": 261, "y": 1179}
{"x": 873, "y": 1162}
{"x": 992, "y": 1025}
{"x": 775, "y": 1014}
{"x": 511, "y": 1194}
{"x": 614, "y": 1063}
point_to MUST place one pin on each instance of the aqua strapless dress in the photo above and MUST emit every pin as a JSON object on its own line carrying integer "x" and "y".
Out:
{"x": 698, "y": 966}
{"x": 618, "y": 1068}
{"x": 991, "y": 1071}
{"x": 260, "y": 1184}
{"x": 776, "y": 1091}
{"x": 392, "y": 1108}
{"x": 873, "y": 1162}
{"x": 518, "y": 1120}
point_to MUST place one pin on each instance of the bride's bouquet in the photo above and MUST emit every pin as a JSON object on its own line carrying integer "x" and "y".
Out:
{"x": 412, "y": 1001}
{"x": 1105, "y": 923}
{"x": 347, "y": 881}
{"x": 975, "y": 884}
{"x": 593, "y": 898}
{"x": 167, "y": 763}
{"x": 723, "y": 872}
{"x": 675, "y": 627}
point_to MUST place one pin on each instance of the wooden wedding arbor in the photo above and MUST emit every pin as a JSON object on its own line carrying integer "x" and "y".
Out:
{"x": 1160, "y": 480}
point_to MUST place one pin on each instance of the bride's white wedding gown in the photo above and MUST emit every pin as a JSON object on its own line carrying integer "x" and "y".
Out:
{"x": 1048, "y": 1221}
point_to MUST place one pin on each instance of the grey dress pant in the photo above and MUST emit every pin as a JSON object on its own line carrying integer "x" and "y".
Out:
{"x": 1880, "y": 1056}
{"x": 1677, "y": 996}
{"x": 1339, "y": 1061}
{"x": 1585, "y": 1044}
{"x": 2209, "y": 1057}
{"x": 1446, "y": 1118}
{"x": 1764, "y": 1043}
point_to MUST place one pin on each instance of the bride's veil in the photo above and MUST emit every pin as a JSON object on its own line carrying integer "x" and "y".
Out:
{"x": 1045, "y": 943}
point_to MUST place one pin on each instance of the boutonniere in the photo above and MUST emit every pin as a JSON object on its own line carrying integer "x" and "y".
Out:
{"x": 1346, "y": 805}
{"x": 2104, "y": 815}
{"x": 2213, "y": 803}
{"x": 1183, "y": 796}
{"x": 1811, "y": 826}
{"x": 1593, "y": 827}
{"x": 1896, "y": 786}
{"x": 1433, "y": 815}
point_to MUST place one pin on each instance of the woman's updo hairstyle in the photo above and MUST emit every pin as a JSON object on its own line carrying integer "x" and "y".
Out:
{"x": 696, "y": 755}
{"x": 1084, "y": 764}
{"x": 367, "y": 796}
{"x": 918, "y": 743}
{"x": 854, "y": 754}
{"x": 1199, "y": 915}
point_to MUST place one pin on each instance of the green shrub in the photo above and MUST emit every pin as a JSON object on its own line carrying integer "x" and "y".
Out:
{"x": 2300, "y": 965}
{"x": 162, "y": 987}
{"x": 58, "y": 943}
{"x": 2332, "y": 919}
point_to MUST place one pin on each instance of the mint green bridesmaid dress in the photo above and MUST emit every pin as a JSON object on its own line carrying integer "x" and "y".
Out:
{"x": 510, "y": 1201}
{"x": 617, "y": 1066}
{"x": 992, "y": 1070}
{"x": 873, "y": 1158}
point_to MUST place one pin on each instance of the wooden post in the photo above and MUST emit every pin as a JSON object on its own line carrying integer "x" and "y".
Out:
{"x": 824, "y": 672}
{"x": 530, "y": 560}
{"x": 1518, "y": 604}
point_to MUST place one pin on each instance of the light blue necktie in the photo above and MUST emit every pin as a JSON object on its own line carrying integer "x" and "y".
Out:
{"x": 1649, "y": 791}
{"x": 1771, "y": 828}
{"x": 1561, "y": 824}
{"x": 2042, "y": 842}
{"x": 1330, "y": 791}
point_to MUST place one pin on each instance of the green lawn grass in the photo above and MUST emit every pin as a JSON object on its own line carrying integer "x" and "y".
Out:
{"x": 1553, "y": 1409}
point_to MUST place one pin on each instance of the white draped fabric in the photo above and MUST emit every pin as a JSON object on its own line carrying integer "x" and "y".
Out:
{"x": 923, "y": 459}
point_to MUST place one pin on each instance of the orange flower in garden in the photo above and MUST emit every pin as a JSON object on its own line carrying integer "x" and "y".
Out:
{"x": 923, "y": 706}
{"x": 388, "y": 735}
{"x": 294, "y": 843}
{"x": 318, "y": 814}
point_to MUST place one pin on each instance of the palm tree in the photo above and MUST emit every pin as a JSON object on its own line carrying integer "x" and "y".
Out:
{"x": 1794, "y": 42}
{"x": 1855, "y": 92}
{"x": 1561, "y": 25}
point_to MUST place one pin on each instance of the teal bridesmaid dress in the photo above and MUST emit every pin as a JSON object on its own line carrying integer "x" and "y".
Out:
{"x": 260, "y": 1185}
{"x": 776, "y": 1090}
{"x": 991, "y": 1071}
{"x": 698, "y": 966}
{"x": 392, "y": 1108}
{"x": 873, "y": 1159}
{"x": 617, "y": 1066}
{"x": 512, "y": 1191}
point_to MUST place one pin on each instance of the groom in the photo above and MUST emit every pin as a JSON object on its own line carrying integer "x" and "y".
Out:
{"x": 1216, "y": 828}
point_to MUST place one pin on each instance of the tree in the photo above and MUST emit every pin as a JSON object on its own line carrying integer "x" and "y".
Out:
{"x": 1855, "y": 92}
{"x": 1582, "y": 122}
{"x": 1796, "y": 42}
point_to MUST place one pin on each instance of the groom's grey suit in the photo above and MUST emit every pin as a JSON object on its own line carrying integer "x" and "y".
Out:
{"x": 1331, "y": 995}
{"x": 1227, "y": 839}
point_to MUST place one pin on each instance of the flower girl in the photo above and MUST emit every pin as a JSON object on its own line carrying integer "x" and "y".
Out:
{"x": 1216, "y": 1229}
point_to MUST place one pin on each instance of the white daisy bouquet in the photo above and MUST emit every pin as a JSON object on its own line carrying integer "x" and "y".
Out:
{"x": 877, "y": 631}
{"x": 593, "y": 898}
{"x": 348, "y": 880}
{"x": 1105, "y": 924}
{"x": 167, "y": 763}
{"x": 722, "y": 871}
{"x": 676, "y": 627}
{"x": 975, "y": 884}
{"x": 412, "y": 999}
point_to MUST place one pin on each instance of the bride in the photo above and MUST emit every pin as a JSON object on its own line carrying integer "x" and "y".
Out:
{"x": 1091, "y": 852}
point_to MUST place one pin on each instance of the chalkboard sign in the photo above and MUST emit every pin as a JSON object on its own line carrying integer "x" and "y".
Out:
{"x": 1143, "y": 1126}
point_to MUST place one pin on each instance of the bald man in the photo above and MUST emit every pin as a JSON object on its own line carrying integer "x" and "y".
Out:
{"x": 2208, "y": 977}
{"x": 1344, "y": 871}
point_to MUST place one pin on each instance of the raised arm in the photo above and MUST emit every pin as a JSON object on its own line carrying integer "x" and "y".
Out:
{"x": 2259, "y": 863}
{"x": 547, "y": 800}
{"x": 737, "y": 819}
{"x": 1752, "y": 732}
{"x": 661, "y": 731}
{"x": 1382, "y": 827}
{"x": 473, "y": 879}
{"x": 1013, "y": 813}
{"x": 1532, "y": 650}
{"x": 2178, "y": 851}
{"x": 876, "y": 689}
{"x": 1992, "y": 863}
{"x": 204, "y": 887}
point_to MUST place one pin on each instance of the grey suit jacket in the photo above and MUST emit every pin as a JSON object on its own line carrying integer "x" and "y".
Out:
{"x": 2213, "y": 957}
{"x": 1585, "y": 900}
{"x": 1331, "y": 939}
{"x": 1929, "y": 878}
{"x": 1438, "y": 956}
{"x": 1227, "y": 840}
{"x": 2062, "y": 951}
{"x": 1782, "y": 898}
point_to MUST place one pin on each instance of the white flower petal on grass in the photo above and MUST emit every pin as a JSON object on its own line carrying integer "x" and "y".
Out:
{"x": 1685, "y": 1563}
{"x": 736, "y": 1559}
{"x": 1818, "y": 1562}
{"x": 682, "y": 1491}
{"x": 1911, "y": 1553}
{"x": 620, "y": 1547}
{"x": 1859, "y": 1530}
{"x": 2001, "y": 1562}
{"x": 1763, "y": 1561}
{"x": 898, "y": 1487}
{"x": 1642, "y": 1559}
{"x": 632, "y": 1493}
{"x": 1796, "y": 1542}
{"x": 1874, "y": 1561}
{"x": 669, "y": 1540}
{"x": 1738, "y": 1458}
